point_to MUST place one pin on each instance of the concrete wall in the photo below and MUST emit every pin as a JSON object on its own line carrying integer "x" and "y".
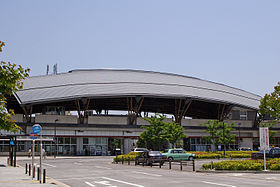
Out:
{"x": 51, "y": 119}
{"x": 112, "y": 120}
{"x": 18, "y": 117}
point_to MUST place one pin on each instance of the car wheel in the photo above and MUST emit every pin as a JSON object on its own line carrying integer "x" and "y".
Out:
{"x": 170, "y": 159}
{"x": 191, "y": 158}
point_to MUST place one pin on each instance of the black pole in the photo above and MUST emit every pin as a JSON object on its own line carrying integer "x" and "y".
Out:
{"x": 193, "y": 165}
{"x": 29, "y": 171}
{"x": 38, "y": 173}
{"x": 169, "y": 164}
{"x": 44, "y": 176}
{"x": 181, "y": 165}
{"x": 15, "y": 155}
{"x": 26, "y": 168}
{"x": 33, "y": 174}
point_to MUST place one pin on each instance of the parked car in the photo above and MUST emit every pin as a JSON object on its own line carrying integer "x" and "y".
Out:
{"x": 178, "y": 154}
{"x": 140, "y": 150}
{"x": 271, "y": 153}
{"x": 150, "y": 157}
{"x": 244, "y": 149}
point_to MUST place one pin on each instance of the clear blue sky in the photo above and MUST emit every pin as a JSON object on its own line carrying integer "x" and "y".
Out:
{"x": 236, "y": 42}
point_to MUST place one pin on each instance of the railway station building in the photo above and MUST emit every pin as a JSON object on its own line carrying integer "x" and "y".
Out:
{"x": 85, "y": 112}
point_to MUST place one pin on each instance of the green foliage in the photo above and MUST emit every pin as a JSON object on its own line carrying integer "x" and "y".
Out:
{"x": 11, "y": 76}
{"x": 272, "y": 164}
{"x": 219, "y": 132}
{"x": 154, "y": 133}
{"x": 160, "y": 132}
{"x": 219, "y": 154}
{"x": 128, "y": 157}
{"x": 270, "y": 103}
{"x": 174, "y": 133}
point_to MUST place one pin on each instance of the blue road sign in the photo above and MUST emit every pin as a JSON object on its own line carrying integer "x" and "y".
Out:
{"x": 12, "y": 143}
{"x": 36, "y": 129}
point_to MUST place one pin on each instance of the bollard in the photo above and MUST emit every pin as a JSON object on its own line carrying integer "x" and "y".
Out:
{"x": 135, "y": 162}
{"x": 38, "y": 173}
{"x": 211, "y": 164}
{"x": 160, "y": 164}
{"x": 117, "y": 159}
{"x": 169, "y": 164}
{"x": 143, "y": 164}
{"x": 26, "y": 168}
{"x": 44, "y": 176}
{"x": 122, "y": 160}
{"x": 8, "y": 161}
{"x": 29, "y": 170}
{"x": 128, "y": 162}
{"x": 33, "y": 172}
{"x": 181, "y": 165}
{"x": 193, "y": 165}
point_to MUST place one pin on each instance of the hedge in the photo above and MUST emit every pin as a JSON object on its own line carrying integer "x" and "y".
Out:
{"x": 272, "y": 164}
{"x": 220, "y": 154}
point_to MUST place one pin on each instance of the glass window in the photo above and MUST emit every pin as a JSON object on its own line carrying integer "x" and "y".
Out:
{"x": 73, "y": 140}
{"x": 98, "y": 140}
{"x": 67, "y": 140}
{"x": 60, "y": 140}
{"x": 85, "y": 140}
{"x": 243, "y": 115}
{"x": 192, "y": 140}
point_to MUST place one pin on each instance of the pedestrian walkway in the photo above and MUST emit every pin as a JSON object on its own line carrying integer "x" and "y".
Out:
{"x": 15, "y": 176}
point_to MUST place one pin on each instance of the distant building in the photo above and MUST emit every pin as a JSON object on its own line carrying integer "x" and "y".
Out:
{"x": 88, "y": 111}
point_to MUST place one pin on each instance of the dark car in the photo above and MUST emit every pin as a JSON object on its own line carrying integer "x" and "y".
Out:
{"x": 150, "y": 157}
{"x": 271, "y": 153}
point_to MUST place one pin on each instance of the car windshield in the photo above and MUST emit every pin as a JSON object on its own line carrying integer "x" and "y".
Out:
{"x": 154, "y": 153}
{"x": 165, "y": 151}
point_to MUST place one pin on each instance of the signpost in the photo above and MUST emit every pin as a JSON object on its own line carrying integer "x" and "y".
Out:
{"x": 264, "y": 142}
{"x": 36, "y": 129}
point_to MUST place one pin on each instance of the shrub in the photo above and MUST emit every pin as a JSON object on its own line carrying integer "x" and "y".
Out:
{"x": 272, "y": 164}
{"x": 127, "y": 157}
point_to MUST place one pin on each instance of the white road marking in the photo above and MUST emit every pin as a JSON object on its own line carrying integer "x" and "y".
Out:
{"x": 101, "y": 167}
{"x": 49, "y": 165}
{"x": 218, "y": 184}
{"x": 237, "y": 174}
{"x": 115, "y": 180}
{"x": 78, "y": 163}
{"x": 88, "y": 183}
{"x": 150, "y": 174}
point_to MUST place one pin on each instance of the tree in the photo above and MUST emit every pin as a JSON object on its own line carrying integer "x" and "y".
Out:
{"x": 174, "y": 133}
{"x": 219, "y": 133}
{"x": 160, "y": 132}
{"x": 154, "y": 134}
{"x": 11, "y": 76}
{"x": 270, "y": 103}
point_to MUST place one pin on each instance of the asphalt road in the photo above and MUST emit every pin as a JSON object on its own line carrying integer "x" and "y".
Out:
{"x": 100, "y": 172}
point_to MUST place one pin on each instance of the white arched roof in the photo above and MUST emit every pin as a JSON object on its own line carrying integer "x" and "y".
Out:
{"x": 118, "y": 83}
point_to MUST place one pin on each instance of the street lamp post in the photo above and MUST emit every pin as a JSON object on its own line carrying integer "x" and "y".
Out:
{"x": 55, "y": 138}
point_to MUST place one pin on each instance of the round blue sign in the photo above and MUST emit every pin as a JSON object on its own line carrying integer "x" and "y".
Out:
{"x": 36, "y": 129}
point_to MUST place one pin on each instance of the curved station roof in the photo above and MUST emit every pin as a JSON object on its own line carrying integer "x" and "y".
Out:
{"x": 110, "y": 84}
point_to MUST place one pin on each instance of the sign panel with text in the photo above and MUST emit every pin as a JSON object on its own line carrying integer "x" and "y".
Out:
{"x": 264, "y": 138}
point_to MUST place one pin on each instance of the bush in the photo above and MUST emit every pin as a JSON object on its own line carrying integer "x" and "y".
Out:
{"x": 272, "y": 164}
{"x": 127, "y": 157}
{"x": 220, "y": 154}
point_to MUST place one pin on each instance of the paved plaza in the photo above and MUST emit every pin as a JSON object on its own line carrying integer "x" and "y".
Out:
{"x": 100, "y": 172}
